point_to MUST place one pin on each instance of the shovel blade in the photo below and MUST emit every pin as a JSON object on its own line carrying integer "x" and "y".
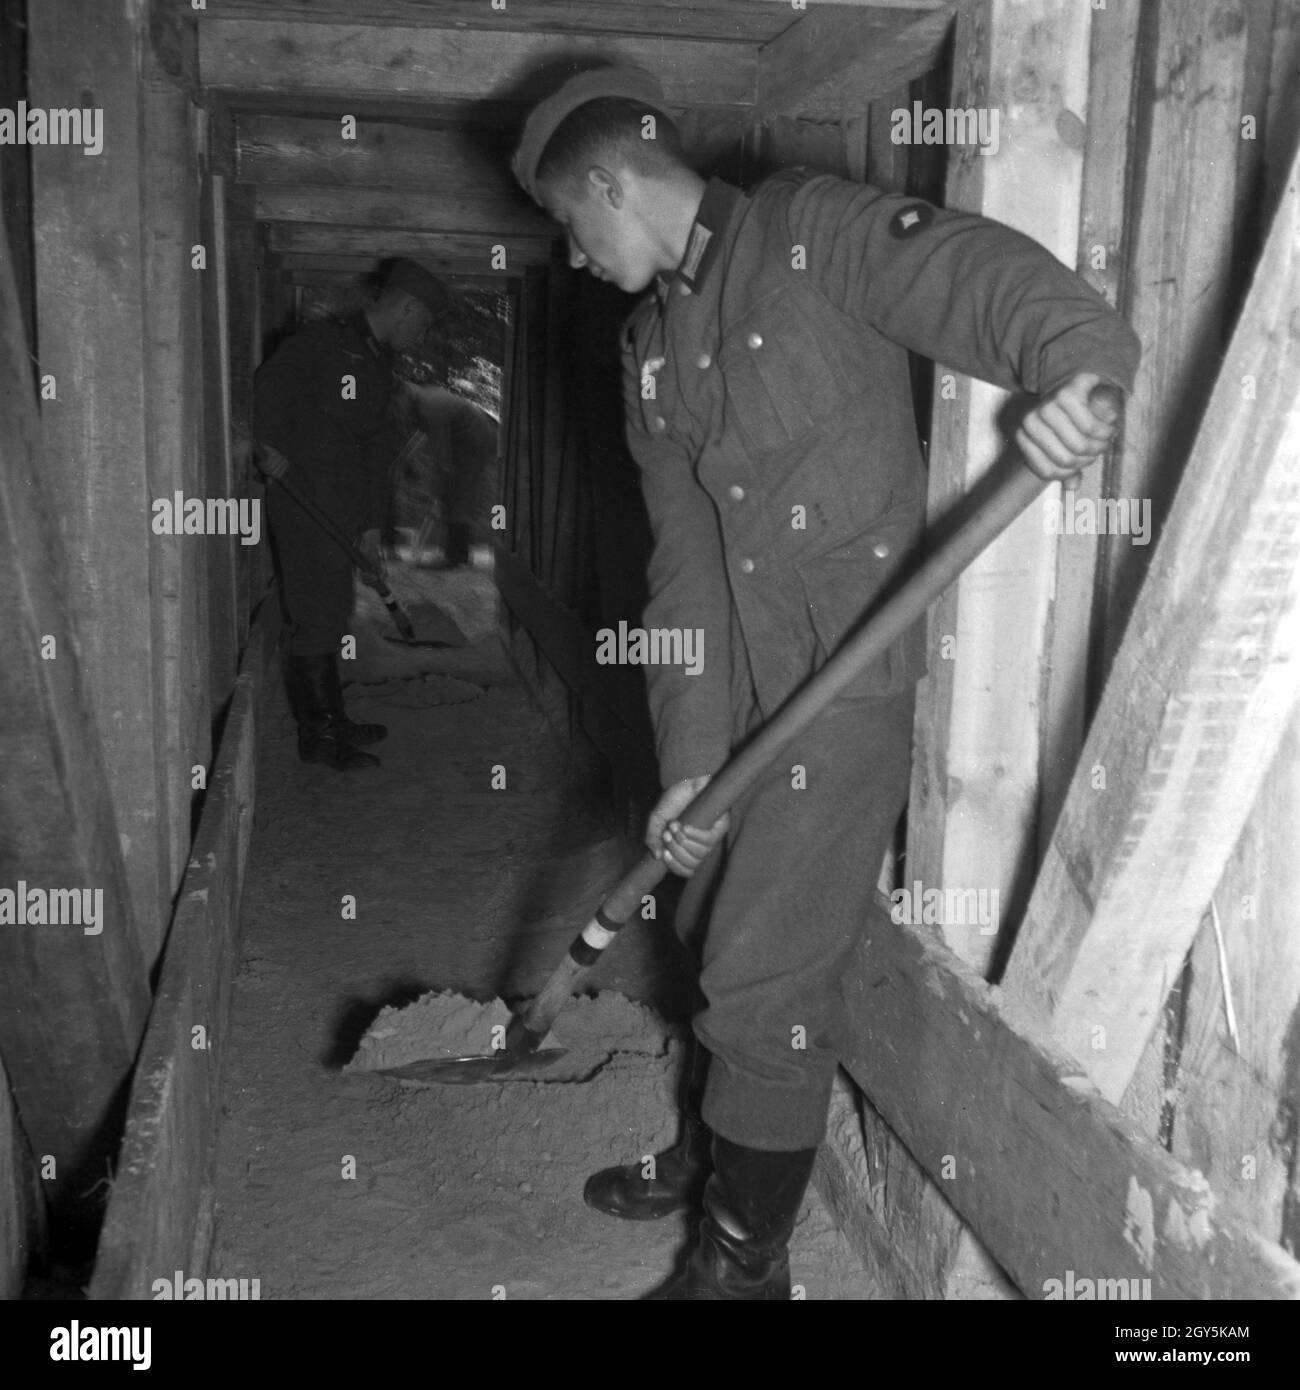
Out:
{"x": 470, "y": 1071}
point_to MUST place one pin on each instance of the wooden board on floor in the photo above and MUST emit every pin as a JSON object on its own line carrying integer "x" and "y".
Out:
{"x": 1047, "y": 1173}
{"x": 159, "y": 1215}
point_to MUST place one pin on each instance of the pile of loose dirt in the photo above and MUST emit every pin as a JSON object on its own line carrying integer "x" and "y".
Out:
{"x": 591, "y": 1030}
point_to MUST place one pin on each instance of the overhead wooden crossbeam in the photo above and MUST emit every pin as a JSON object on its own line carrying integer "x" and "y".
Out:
{"x": 443, "y": 210}
{"x": 1199, "y": 695}
{"x": 475, "y": 253}
{"x": 289, "y": 150}
{"x": 819, "y": 63}
{"x": 836, "y": 60}
{"x": 474, "y": 162}
{"x": 356, "y": 61}
{"x": 747, "y": 21}
{"x": 1050, "y": 1177}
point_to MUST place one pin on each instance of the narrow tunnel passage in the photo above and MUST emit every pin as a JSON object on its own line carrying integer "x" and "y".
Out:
{"x": 334, "y": 1186}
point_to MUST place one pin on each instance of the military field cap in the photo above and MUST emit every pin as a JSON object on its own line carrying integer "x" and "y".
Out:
{"x": 421, "y": 284}
{"x": 634, "y": 84}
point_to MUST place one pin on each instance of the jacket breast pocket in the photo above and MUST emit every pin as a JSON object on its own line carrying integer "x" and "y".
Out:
{"x": 781, "y": 386}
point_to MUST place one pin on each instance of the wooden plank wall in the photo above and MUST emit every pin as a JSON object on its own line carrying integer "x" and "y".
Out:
{"x": 160, "y": 1216}
{"x": 1225, "y": 1104}
{"x": 111, "y": 731}
{"x": 1224, "y": 1109}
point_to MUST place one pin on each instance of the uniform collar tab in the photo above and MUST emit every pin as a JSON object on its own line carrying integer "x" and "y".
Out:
{"x": 716, "y": 206}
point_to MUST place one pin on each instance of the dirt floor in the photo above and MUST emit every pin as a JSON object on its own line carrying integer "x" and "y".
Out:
{"x": 349, "y": 1185}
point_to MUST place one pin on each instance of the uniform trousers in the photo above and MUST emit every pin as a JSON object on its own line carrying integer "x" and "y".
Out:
{"x": 774, "y": 913}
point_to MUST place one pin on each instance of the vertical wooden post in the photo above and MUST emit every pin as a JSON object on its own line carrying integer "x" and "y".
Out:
{"x": 1179, "y": 286}
{"x": 73, "y": 1002}
{"x": 173, "y": 416}
{"x": 886, "y": 161}
{"x": 241, "y": 288}
{"x": 974, "y": 800}
{"x": 1069, "y": 678}
{"x": 973, "y": 812}
{"x": 90, "y": 311}
{"x": 224, "y": 618}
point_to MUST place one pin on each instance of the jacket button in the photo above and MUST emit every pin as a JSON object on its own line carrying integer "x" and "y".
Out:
{"x": 880, "y": 550}
{"x": 755, "y": 340}
{"x": 660, "y": 423}
{"x": 703, "y": 361}
{"x": 747, "y": 567}
{"x": 736, "y": 492}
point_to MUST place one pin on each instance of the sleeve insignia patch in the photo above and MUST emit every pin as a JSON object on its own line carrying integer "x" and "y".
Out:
{"x": 909, "y": 220}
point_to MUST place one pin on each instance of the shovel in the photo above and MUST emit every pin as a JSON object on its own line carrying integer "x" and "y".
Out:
{"x": 522, "y": 1050}
{"x": 369, "y": 573}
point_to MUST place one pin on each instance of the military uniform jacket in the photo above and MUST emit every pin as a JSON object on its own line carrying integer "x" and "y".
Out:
{"x": 770, "y": 413}
{"x": 322, "y": 399}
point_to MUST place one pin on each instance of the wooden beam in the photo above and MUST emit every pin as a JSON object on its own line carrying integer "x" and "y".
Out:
{"x": 471, "y": 252}
{"x": 174, "y": 419}
{"x": 740, "y": 20}
{"x": 91, "y": 338}
{"x": 972, "y": 818}
{"x": 22, "y": 1203}
{"x": 352, "y": 61}
{"x": 343, "y": 265}
{"x": 1069, "y": 689}
{"x": 886, "y": 162}
{"x": 72, "y": 1005}
{"x": 974, "y": 798}
{"x": 834, "y": 62}
{"x": 447, "y": 210}
{"x": 242, "y": 254}
{"x": 1048, "y": 1174}
{"x": 288, "y": 150}
{"x": 1179, "y": 290}
{"x": 160, "y": 1215}
{"x": 1199, "y": 694}
{"x": 224, "y": 554}
{"x": 1233, "y": 1094}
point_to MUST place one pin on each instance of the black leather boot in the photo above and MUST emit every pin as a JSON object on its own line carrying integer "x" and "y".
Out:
{"x": 676, "y": 1182}
{"x": 750, "y": 1203}
{"x": 312, "y": 681}
{"x": 354, "y": 733}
